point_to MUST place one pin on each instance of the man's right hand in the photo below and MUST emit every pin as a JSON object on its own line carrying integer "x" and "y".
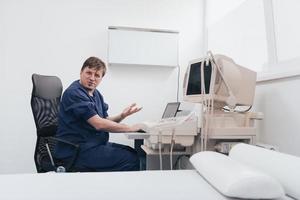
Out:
{"x": 135, "y": 128}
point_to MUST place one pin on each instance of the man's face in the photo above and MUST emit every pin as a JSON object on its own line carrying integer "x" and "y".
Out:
{"x": 90, "y": 78}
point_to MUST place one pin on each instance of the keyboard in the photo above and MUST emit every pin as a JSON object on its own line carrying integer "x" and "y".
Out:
{"x": 166, "y": 123}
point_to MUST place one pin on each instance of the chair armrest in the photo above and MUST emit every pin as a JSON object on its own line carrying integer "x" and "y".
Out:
{"x": 70, "y": 164}
{"x": 65, "y": 141}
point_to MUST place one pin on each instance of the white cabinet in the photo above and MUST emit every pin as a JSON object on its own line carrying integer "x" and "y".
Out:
{"x": 138, "y": 46}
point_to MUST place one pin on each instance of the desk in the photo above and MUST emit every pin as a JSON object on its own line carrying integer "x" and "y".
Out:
{"x": 152, "y": 156}
{"x": 137, "y": 135}
{"x": 153, "y": 161}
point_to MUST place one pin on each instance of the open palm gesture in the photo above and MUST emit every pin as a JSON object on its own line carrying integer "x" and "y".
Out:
{"x": 130, "y": 110}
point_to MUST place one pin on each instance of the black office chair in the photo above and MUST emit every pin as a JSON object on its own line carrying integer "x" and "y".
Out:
{"x": 45, "y": 101}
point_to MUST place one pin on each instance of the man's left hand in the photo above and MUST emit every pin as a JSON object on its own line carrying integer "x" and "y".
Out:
{"x": 133, "y": 108}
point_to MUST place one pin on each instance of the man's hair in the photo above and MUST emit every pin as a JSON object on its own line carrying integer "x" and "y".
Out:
{"x": 94, "y": 63}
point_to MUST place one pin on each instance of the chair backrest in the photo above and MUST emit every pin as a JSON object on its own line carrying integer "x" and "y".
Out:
{"x": 45, "y": 101}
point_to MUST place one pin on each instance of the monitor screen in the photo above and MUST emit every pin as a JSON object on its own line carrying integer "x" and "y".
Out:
{"x": 194, "y": 80}
{"x": 233, "y": 85}
{"x": 171, "y": 110}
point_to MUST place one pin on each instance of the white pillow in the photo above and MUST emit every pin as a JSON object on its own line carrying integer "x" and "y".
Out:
{"x": 234, "y": 179}
{"x": 283, "y": 167}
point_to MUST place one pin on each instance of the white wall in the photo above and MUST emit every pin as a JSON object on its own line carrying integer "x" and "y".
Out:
{"x": 279, "y": 101}
{"x": 236, "y": 28}
{"x": 55, "y": 37}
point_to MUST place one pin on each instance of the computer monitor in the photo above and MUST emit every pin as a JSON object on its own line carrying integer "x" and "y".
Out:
{"x": 171, "y": 110}
{"x": 227, "y": 83}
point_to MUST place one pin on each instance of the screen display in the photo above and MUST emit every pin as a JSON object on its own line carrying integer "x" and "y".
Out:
{"x": 171, "y": 110}
{"x": 194, "y": 82}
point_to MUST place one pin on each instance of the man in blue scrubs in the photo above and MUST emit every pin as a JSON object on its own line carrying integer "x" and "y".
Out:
{"x": 83, "y": 120}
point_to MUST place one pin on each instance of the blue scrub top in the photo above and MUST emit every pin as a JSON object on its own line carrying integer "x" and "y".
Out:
{"x": 76, "y": 107}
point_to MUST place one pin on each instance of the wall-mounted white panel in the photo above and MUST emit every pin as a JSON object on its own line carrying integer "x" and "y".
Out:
{"x": 142, "y": 47}
{"x": 287, "y": 30}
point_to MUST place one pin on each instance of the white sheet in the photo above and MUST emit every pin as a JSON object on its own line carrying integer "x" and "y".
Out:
{"x": 143, "y": 185}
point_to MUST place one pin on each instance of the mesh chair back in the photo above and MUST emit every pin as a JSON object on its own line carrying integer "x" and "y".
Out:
{"x": 45, "y": 100}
